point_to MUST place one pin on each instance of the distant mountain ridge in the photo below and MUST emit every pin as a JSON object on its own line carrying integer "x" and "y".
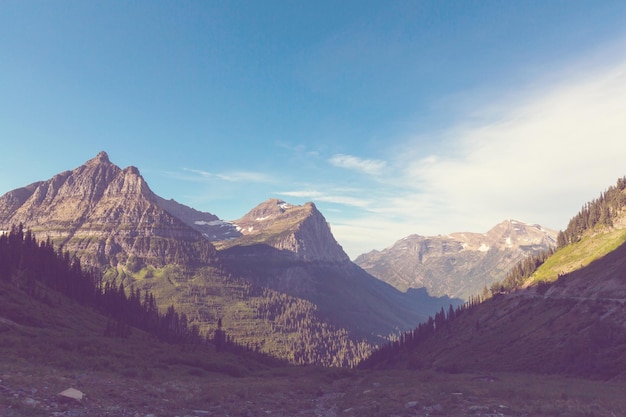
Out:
{"x": 459, "y": 264}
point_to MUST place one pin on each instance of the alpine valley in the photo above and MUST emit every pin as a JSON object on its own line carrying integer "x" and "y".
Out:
{"x": 276, "y": 278}
{"x": 135, "y": 300}
{"x": 563, "y": 314}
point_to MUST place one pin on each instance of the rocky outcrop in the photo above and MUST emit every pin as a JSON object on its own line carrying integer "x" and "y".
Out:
{"x": 459, "y": 264}
{"x": 107, "y": 216}
{"x": 300, "y": 231}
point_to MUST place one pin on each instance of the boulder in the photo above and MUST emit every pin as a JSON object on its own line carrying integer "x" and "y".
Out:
{"x": 71, "y": 395}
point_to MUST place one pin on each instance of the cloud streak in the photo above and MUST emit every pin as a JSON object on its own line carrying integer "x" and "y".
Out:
{"x": 367, "y": 166}
{"x": 333, "y": 198}
{"x": 539, "y": 158}
{"x": 235, "y": 176}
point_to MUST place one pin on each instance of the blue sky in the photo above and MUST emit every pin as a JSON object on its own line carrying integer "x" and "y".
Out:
{"x": 394, "y": 117}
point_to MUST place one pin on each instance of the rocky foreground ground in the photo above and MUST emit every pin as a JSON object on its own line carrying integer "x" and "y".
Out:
{"x": 303, "y": 392}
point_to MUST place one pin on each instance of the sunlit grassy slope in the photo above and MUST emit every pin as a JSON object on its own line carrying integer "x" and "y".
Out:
{"x": 591, "y": 247}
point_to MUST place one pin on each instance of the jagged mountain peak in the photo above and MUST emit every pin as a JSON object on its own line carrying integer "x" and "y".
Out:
{"x": 275, "y": 216}
{"x": 105, "y": 214}
{"x": 132, "y": 170}
{"x": 268, "y": 209}
{"x": 290, "y": 248}
{"x": 506, "y": 234}
{"x": 101, "y": 158}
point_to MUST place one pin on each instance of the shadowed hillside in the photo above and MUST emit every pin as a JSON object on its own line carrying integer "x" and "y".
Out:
{"x": 568, "y": 317}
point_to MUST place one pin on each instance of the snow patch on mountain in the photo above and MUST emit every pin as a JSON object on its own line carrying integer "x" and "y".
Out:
{"x": 212, "y": 223}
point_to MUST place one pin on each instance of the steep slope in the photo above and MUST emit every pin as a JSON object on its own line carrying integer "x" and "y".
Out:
{"x": 53, "y": 322}
{"x": 292, "y": 250}
{"x": 459, "y": 264}
{"x": 575, "y": 326}
{"x": 107, "y": 216}
{"x": 569, "y": 317}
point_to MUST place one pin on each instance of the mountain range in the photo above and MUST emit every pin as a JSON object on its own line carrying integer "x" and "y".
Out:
{"x": 459, "y": 264}
{"x": 280, "y": 283}
{"x": 276, "y": 277}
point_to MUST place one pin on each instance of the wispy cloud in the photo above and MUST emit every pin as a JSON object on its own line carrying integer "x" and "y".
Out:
{"x": 368, "y": 166}
{"x": 539, "y": 158}
{"x": 363, "y": 234}
{"x": 332, "y": 197}
{"x": 536, "y": 155}
{"x": 345, "y": 200}
{"x": 301, "y": 194}
{"x": 235, "y": 176}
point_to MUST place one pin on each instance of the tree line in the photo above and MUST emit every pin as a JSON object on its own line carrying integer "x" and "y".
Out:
{"x": 310, "y": 340}
{"x": 37, "y": 268}
{"x": 601, "y": 211}
{"x": 520, "y": 272}
{"x": 410, "y": 339}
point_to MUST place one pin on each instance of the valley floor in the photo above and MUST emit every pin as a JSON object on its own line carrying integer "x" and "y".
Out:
{"x": 29, "y": 390}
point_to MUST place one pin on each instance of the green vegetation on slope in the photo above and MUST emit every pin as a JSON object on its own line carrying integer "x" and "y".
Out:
{"x": 65, "y": 335}
{"x": 262, "y": 319}
{"x": 597, "y": 229}
{"x": 603, "y": 211}
{"x": 589, "y": 248}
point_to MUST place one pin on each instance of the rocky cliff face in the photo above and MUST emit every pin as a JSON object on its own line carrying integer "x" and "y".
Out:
{"x": 300, "y": 231}
{"x": 459, "y": 264}
{"x": 106, "y": 215}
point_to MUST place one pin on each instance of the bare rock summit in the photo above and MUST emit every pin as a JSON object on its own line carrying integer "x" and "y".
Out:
{"x": 302, "y": 231}
{"x": 107, "y": 216}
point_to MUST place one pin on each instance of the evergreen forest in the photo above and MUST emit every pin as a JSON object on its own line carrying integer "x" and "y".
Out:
{"x": 38, "y": 269}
